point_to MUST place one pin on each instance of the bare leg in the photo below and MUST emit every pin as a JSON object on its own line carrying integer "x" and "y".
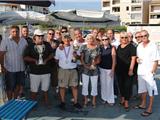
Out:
{"x": 75, "y": 94}
{"x": 62, "y": 94}
{"x": 9, "y": 95}
{"x": 33, "y": 95}
{"x": 143, "y": 100}
{"x": 151, "y": 98}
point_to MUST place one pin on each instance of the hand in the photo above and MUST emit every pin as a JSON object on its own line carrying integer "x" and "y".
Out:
{"x": 111, "y": 74}
{"x": 130, "y": 72}
{"x": 153, "y": 72}
{"x": 61, "y": 47}
{"x": 75, "y": 54}
{"x": 139, "y": 61}
{"x": 87, "y": 66}
{"x": 3, "y": 69}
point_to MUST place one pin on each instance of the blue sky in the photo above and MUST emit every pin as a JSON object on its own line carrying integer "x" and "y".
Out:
{"x": 76, "y": 4}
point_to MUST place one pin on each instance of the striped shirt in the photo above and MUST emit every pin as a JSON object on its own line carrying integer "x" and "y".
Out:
{"x": 13, "y": 60}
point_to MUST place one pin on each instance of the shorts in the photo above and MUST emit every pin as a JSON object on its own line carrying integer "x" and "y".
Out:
{"x": 13, "y": 79}
{"x": 67, "y": 77}
{"x": 144, "y": 86}
{"x": 36, "y": 80}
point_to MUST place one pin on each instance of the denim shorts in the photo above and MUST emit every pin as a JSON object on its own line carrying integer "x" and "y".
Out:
{"x": 13, "y": 79}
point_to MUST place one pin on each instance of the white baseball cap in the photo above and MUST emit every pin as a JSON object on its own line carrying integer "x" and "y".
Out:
{"x": 38, "y": 32}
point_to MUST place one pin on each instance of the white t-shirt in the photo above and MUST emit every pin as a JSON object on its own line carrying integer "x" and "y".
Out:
{"x": 65, "y": 58}
{"x": 148, "y": 56}
{"x": 115, "y": 43}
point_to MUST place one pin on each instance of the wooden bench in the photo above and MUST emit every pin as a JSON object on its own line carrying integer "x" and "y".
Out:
{"x": 16, "y": 109}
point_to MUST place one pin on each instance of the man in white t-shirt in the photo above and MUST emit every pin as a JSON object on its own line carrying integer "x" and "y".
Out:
{"x": 67, "y": 74}
{"x": 148, "y": 57}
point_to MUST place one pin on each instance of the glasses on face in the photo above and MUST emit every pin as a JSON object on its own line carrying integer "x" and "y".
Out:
{"x": 105, "y": 39}
{"x": 51, "y": 33}
{"x": 40, "y": 35}
{"x": 137, "y": 37}
{"x": 64, "y": 32}
{"x": 144, "y": 36}
{"x": 124, "y": 37}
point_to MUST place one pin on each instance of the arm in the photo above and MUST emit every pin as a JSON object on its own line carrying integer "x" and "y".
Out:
{"x": 29, "y": 59}
{"x": 113, "y": 59}
{"x": 133, "y": 61}
{"x": 155, "y": 65}
{"x": 2, "y": 54}
{"x": 48, "y": 58}
{"x": 83, "y": 63}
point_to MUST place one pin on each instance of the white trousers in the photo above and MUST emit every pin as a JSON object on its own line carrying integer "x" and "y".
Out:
{"x": 107, "y": 82}
{"x": 85, "y": 84}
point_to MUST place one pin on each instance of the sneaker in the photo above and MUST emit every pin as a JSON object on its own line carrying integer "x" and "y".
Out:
{"x": 78, "y": 106}
{"x": 62, "y": 106}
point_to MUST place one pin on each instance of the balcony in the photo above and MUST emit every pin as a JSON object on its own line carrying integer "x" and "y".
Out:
{"x": 136, "y": 16}
{"x": 155, "y": 9}
{"x": 106, "y": 4}
{"x": 136, "y": 1}
{"x": 115, "y": 9}
{"x": 114, "y": 2}
{"x": 137, "y": 8}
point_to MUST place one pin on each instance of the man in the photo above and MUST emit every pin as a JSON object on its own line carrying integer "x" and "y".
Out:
{"x": 67, "y": 75}
{"x": 25, "y": 34}
{"x": 11, "y": 51}
{"x": 148, "y": 57}
{"x": 38, "y": 55}
{"x": 130, "y": 37}
{"x": 54, "y": 44}
{"x": 115, "y": 43}
{"x": 138, "y": 37}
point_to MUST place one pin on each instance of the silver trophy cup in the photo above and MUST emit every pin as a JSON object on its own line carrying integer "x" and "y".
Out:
{"x": 40, "y": 49}
{"x": 75, "y": 48}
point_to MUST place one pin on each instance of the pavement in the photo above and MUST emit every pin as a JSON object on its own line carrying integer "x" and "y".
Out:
{"x": 101, "y": 112}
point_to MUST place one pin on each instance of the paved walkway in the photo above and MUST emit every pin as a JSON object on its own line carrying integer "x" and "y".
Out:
{"x": 101, "y": 112}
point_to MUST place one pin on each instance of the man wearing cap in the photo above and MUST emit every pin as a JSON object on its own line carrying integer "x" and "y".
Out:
{"x": 11, "y": 51}
{"x": 38, "y": 55}
{"x": 67, "y": 74}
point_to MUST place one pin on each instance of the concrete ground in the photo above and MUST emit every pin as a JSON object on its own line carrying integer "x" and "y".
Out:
{"x": 101, "y": 112}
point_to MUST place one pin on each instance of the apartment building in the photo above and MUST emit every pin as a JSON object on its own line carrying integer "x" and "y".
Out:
{"x": 19, "y": 7}
{"x": 154, "y": 12}
{"x": 129, "y": 11}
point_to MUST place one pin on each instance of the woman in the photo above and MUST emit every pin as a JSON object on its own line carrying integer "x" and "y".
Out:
{"x": 107, "y": 69}
{"x": 126, "y": 56}
{"x": 90, "y": 58}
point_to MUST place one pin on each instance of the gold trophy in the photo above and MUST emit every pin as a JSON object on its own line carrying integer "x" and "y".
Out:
{"x": 40, "y": 49}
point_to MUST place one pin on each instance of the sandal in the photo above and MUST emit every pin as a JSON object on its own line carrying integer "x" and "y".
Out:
{"x": 146, "y": 114}
{"x": 139, "y": 107}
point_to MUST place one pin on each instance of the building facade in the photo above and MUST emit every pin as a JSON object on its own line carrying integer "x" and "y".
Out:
{"x": 4, "y": 7}
{"x": 154, "y": 12}
{"x": 129, "y": 11}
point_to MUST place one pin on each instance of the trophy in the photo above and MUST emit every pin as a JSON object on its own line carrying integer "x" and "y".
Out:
{"x": 75, "y": 48}
{"x": 93, "y": 57}
{"x": 40, "y": 49}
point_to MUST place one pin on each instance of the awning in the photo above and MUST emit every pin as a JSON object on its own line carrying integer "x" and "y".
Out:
{"x": 82, "y": 18}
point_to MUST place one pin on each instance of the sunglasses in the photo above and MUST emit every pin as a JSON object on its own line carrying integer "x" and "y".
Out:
{"x": 51, "y": 33}
{"x": 40, "y": 35}
{"x": 105, "y": 39}
{"x": 124, "y": 37}
{"x": 137, "y": 37}
{"x": 64, "y": 32}
{"x": 144, "y": 36}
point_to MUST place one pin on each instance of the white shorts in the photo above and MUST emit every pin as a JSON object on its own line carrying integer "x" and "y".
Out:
{"x": 36, "y": 80}
{"x": 145, "y": 86}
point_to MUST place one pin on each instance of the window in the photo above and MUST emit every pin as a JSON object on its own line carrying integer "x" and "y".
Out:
{"x": 127, "y": 8}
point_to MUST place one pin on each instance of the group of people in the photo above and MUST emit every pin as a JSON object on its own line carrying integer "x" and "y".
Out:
{"x": 58, "y": 60}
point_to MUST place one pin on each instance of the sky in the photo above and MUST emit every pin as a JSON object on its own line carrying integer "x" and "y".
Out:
{"x": 76, "y": 4}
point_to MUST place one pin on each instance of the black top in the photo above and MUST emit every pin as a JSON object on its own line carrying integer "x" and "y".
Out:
{"x": 124, "y": 58}
{"x": 29, "y": 40}
{"x": 106, "y": 57}
{"x": 34, "y": 68}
